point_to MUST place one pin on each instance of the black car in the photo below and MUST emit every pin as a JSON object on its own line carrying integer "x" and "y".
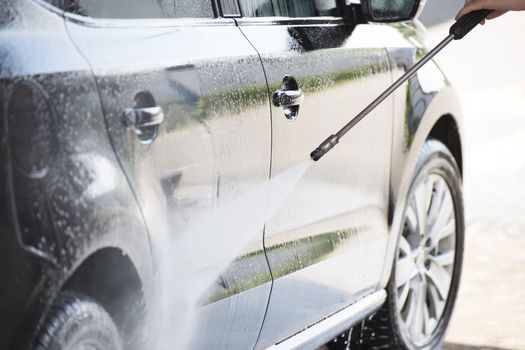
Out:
{"x": 150, "y": 190}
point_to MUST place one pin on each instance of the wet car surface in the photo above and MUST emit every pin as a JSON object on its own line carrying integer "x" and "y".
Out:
{"x": 126, "y": 127}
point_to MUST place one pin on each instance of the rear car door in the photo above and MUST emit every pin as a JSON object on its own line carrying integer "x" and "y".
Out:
{"x": 185, "y": 101}
{"x": 326, "y": 244}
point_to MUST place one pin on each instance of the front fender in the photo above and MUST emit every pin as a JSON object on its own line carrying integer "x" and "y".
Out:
{"x": 407, "y": 144}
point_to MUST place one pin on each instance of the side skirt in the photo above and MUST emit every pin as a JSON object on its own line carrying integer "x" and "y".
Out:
{"x": 329, "y": 328}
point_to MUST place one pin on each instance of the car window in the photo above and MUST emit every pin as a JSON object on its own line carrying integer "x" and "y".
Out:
{"x": 140, "y": 8}
{"x": 289, "y": 8}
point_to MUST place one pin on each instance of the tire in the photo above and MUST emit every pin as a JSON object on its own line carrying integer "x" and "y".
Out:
{"x": 423, "y": 250}
{"x": 77, "y": 322}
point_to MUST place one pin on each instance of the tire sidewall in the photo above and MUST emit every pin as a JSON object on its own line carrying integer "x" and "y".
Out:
{"x": 435, "y": 158}
{"x": 76, "y": 319}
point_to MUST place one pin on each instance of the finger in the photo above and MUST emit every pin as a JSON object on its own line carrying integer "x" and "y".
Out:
{"x": 495, "y": 14}
{"x": 473, "y": 5}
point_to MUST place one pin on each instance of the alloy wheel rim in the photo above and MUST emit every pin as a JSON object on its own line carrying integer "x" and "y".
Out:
{"x": 425, "y": 258}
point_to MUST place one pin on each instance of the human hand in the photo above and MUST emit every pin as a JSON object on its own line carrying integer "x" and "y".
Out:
{"x": 499, "y": 7}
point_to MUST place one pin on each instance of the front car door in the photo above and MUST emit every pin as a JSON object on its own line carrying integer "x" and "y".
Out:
{"x": 212, "y": 145}
{"x": 326, "y": 244}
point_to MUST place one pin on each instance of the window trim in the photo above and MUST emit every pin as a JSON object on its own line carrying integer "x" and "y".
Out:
{"x": 147, "y": 22}
{"x": 303, "y": 21}
{"x": 313, "y": 20}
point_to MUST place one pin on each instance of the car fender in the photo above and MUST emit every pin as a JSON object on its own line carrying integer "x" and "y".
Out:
{"x": 444, "y": 103}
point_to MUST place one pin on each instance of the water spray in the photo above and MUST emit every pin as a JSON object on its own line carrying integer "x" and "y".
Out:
{"x": 457, "y": 31}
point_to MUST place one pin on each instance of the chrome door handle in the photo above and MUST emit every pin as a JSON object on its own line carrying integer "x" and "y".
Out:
{"x": 141, "y": 117}
{"x": 287, "y": 98}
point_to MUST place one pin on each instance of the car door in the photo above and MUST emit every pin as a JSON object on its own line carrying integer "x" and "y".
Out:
{"x": 185, "y": 101}
{"x": 326, "y": 244}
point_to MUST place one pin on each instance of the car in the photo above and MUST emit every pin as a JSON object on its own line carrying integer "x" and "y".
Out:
{"x": 156, "y": 189}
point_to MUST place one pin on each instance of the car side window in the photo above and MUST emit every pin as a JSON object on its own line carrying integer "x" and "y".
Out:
{"x": 289, "y": 8}
{"x": 130, "y": 9}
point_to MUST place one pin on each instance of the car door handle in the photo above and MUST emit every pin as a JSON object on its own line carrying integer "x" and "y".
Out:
{"x": 141, "y": 117}
{"x": 287, "y": 98}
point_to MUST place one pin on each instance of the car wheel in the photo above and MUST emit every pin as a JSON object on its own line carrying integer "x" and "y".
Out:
{"x": 425, "y": 275}
{"x": 76, "y": 322}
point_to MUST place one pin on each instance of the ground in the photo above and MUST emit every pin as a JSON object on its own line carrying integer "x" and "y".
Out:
{"x": 486, "y": 67}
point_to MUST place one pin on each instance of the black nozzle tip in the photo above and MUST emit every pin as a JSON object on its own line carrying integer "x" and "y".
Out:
{"x": 324, "y": 147}
{"x": 317, "y": 154}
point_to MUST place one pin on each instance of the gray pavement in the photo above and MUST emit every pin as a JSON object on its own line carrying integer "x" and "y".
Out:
{"x": 487, "y": 69}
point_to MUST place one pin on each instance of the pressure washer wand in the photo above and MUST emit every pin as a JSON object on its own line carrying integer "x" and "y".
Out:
{"x": 457, "y": 31}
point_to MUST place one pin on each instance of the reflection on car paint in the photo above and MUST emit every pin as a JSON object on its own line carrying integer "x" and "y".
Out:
{"x": 312, "y": 250}
{"x": 333, "y": 65}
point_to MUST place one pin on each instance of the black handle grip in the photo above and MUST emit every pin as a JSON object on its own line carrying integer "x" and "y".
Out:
{"x": 466, "y": 23}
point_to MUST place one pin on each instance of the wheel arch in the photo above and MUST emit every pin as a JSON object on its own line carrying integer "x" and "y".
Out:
{"x": 112, "y": 266}
{"x": 446, "y": 130}
{"x": 110, "y": 277}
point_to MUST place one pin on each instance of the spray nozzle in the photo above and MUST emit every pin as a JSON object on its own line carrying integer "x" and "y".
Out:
{"x": 324, "y": 147}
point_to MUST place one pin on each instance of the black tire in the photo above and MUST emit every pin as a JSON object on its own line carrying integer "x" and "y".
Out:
{"x": 385, "y": 329}
{"x": 75, "y": 321}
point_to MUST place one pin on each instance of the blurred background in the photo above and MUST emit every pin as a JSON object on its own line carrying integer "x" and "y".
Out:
{"x": 487, "y": 68}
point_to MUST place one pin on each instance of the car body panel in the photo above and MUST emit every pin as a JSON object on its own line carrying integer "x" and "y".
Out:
{"x": 59, "y": 208}
{"x": 213, "y": 146}
{"x": 419, "y": 104}
{"x": 324, "y": 242}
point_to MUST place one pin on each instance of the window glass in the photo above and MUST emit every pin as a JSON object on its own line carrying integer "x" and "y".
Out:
{"x": 391, "y": 9}
{"x": 289, "y": 8}
{"x": 256, "y": 8}
{"x": 230, "y": 8}
{"x": 55, "y": 3}
{"x": 189, "y": 8}
{"x": 140, "y": 8}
